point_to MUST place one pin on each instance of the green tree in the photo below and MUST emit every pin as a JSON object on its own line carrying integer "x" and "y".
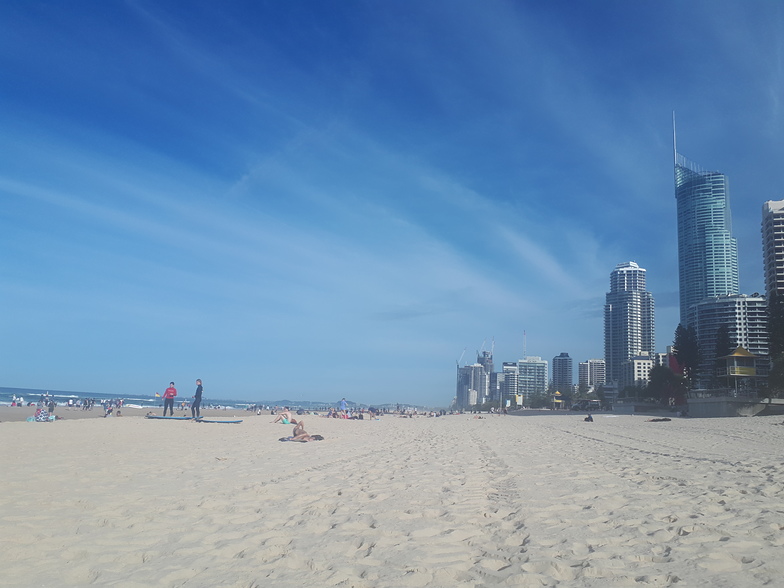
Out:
{"x": 540, "y": 400}
{"x": 776, "y": 324}
{"x": 687, "y": 351}
{"x": 665, "y": 384}
{"x": 724, "y": 346}
{"x": 602, "y": 396}
{"x": 775, "y": 388}
{"x": 634, "y": 392}
{"x": 724, "y": 343}
{"x": 582, "y": 390}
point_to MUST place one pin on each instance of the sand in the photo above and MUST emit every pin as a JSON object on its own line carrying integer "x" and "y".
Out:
{"x": 452, "y": 501}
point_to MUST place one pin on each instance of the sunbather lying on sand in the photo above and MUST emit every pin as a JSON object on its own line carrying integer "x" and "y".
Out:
{"x": 299, "y": 434}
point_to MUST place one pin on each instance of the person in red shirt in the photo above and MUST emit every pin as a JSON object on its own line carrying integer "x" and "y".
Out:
{"x": 168, "y": 399}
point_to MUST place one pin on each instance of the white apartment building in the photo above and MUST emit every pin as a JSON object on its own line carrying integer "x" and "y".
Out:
{"x": 532, "y": 377}
{"x": 591, "y": 373}
{"x": 746, "y": 319}
{"x": 773, "y": 246}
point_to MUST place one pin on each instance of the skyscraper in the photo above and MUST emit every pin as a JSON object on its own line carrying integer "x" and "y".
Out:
{"x": 628, "y": 318}
{"x": 485, "y": 359}
{"x": 563, "y": 374}
{"x": 707, "y": 252}
{"x": 509, "y": 387}
{"x": 591, "y": 373}
{"x": 531, "y": 377}
{"x": 472, "y": 385}
{"x": 773, "y": 246}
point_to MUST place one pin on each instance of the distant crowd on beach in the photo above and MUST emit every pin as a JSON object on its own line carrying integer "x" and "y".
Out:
{"x": 342, "y": 410}
{"x": 285, "y": 416}
{"x": 47, "y": 401}
{"x": 326, "y": 411}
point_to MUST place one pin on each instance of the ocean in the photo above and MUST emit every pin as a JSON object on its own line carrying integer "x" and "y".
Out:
{"x": 62, "y": 397}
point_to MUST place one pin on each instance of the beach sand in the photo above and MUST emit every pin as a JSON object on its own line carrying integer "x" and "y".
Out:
{"x": 450, "y": 501}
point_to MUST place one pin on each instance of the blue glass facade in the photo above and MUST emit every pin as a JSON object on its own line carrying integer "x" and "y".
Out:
{"x": 707, "y": 252}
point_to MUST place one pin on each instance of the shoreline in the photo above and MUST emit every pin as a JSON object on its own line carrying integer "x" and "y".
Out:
{"x": 11, "y": 414}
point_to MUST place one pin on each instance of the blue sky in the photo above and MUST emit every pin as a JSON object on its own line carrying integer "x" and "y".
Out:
{"x": 311, "y": 200}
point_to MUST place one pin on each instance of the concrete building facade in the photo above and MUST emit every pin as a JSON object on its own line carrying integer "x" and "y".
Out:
{"x": 591, "y": 373}
{"x": 629, "y": 328}
{"x": 773, "y": 246}
{"x": 563, "y": 374}
{"x": 746, "y": 319}
{"x": 532, "y": 377}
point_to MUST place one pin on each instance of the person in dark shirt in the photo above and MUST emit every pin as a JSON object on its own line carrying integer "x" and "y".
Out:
{"x": 196, "y": 405}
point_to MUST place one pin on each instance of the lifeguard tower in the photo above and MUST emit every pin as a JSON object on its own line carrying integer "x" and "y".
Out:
{"x": 739, "y": 370}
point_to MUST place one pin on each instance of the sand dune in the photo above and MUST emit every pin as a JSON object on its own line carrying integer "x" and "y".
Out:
{"x": 517, "y": 501}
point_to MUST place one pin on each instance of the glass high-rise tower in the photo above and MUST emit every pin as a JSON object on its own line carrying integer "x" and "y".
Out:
{"x": 707, "y": 252}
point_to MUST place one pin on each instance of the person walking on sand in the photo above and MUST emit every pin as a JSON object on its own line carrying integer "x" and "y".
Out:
{"x": 195, "y": 412}
{"x": 168, "y": 399}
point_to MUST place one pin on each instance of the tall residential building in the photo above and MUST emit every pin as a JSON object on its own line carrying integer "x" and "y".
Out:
{"x": 628, "y": 318}
{"x": 495, "y": 383}
{"x": 485, "y": 359}
{"x": 707, "y": 252}
{"x": 563, "y": 374}
{"x": 472, "y": 385}
{"x": 591, "y": 373}
{"x": 531, "y": 377}
{"x": 773, "y": 246}
{"x": 746, "y": 319}
{"x": 509, "y": 383}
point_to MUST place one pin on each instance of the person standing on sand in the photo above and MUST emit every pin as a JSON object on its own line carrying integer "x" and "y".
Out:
{"x": 343, "y": 406}
{"x": 168, "y": 399}
{"x": 195, "y": 412}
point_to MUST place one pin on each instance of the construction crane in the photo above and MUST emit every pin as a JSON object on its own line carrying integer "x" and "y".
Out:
{"x": 461, "y": 356}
